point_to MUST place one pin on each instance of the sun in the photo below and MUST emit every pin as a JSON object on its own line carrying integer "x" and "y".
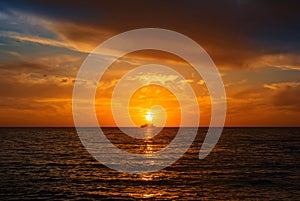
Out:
{"x": 149, "y": 116}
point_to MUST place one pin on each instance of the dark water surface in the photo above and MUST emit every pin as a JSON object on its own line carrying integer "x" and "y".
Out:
{"x": 246, "y": 164}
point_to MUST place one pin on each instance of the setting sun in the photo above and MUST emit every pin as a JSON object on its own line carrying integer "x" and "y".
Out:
{"x": 149, "y": 116}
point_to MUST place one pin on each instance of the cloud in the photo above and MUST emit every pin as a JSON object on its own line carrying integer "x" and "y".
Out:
{"x": 39, "y": 40}
{"x": 285, "y": 95}
{"x": 82, "y": 38}
{"x": 282, "y": 86}
{"x": 34, "y": 39}
{"x": 277, "y": 104}
{"x": 56, "y": 65}
{"x": 41, "y": 83}
{"x": 201, "y": 82}
{"x": 149, "y": 78}
{"x": 42, "y": 112}
{"x": 230, "y": 33}
{"x": 270, "y": 105}
{"x": 284, "y": 61}
{"x": 108, "y": 85}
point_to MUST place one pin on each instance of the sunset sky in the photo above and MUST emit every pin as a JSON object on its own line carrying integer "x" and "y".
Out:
{"x": 254, "y": 44}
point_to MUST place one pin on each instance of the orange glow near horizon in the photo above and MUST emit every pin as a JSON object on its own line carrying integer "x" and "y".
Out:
{"x": 151, "y": 104}
{"x": 146, "y": 103}
{"x": 155, "y": 98}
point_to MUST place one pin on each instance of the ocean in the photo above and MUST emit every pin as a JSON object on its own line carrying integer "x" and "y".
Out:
{"x": 246, "y": 164}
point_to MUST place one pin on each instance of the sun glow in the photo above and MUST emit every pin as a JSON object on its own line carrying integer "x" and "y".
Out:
{"x": 149, "y": 116}
{"x": 154, "y": 105}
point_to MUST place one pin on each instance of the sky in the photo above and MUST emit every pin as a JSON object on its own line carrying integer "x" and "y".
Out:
{"x": 254, "y": 44}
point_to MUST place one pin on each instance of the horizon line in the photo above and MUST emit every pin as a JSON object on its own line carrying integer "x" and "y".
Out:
{"x": 268, "y": 126}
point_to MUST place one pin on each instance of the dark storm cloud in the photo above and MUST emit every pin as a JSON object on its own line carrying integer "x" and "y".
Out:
{"x": 232, "y": 32}
{"x": 236, "y": 17}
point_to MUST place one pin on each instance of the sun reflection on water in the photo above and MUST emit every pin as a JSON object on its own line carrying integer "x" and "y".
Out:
{"x": 149, "y": 149}
{"x": 145, "y": 192}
